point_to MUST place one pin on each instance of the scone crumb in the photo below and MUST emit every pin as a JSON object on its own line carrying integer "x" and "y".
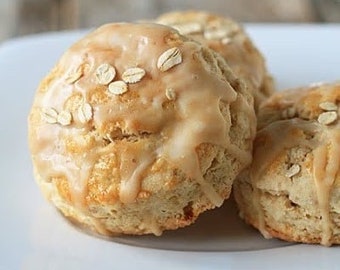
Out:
{"x": 188, "y": 28}
{"x": 169, "y": 59}
{"x": 50, "y": 115}
{"x": 64, "y": 118}
{"x": 293, "y": 170}
{"x": 328, "y": 106}
{"x": 105, "y": 74}
{"x": 85, "y": 113}
{"x": 144, "y": 194}
{"x": 170, "y": 94}
{"x": 118, "y": 87}
{"x": 133, "y": 75}
{"x": 327, "y": 118}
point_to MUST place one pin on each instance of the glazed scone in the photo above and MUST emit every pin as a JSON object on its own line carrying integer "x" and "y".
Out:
{"x": 138, "y": 130}
{"x": 228, "y": 38}
{"x": 292, "y": 189}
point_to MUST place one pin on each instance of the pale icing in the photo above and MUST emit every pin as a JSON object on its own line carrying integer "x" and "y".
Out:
{"x": 195, "y": 119}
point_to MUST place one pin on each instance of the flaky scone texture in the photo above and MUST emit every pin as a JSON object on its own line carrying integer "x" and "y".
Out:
{"x": 229, "y": 39}
{"x": 138, "y": 130}
{"x": 292, "y": 189}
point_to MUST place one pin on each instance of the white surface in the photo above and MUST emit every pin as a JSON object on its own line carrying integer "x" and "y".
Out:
{"x": 33, "y": 236}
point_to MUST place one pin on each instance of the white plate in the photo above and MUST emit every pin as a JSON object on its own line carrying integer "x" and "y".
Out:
{"x": 34, "y": 236}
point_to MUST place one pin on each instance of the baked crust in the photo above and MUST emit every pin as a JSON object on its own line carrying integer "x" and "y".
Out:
{"x": 292, "y": 189}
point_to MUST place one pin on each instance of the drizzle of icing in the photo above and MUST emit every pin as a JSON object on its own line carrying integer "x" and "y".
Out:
{"x": 193, "y": 119}
{"x": 326, "y": 163}
{"x": 236, "y": 47}
{"x": 325, "y": 168}
{"x": 132, "y": 167}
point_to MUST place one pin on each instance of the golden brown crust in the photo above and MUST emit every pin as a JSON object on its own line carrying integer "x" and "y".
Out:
{"x": 229, "y": 39}
{"x": 291, "y": 190}
{"x": 138, "y": 130}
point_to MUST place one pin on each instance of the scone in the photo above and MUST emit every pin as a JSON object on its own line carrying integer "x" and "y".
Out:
{"x": 138, "y": 130}
{"x": 228, "y": 38}
{"x": 292, "y": 190}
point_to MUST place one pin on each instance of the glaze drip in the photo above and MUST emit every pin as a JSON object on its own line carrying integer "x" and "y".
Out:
{"x": 179, "y": 126}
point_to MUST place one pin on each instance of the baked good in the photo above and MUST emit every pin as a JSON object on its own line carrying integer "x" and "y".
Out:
{"x": 228, "y": 38}
{"x": 138, "y": 130}
{"x": 292, "y": 189}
